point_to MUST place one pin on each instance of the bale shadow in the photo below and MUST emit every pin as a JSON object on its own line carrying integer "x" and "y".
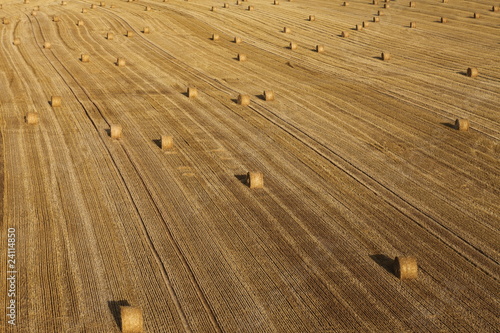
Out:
{"x": 450, "y": 125}
{"x": 185, "y": 93}
{"x": 462, "y": 73}
{"x": 384, "y": 261}
{"x": 235, "y": 100}
{"x": 114, "y": 308}
{"x": 108, "y": 131}
{"x": 157, "y": 142}
{"x": 242, "y": 178}
{"x": 262, "y": 97}
{"x": 378, "y": 58}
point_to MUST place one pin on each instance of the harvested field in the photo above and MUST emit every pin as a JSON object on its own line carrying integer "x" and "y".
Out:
{"x": 360, "y": 158}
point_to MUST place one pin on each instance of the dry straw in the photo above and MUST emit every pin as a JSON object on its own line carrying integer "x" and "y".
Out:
{"x": 320, "y": 48}
{"x": 120, "y": 62}
{"x": 31, "y": 118}
{"x": 243, "y": 99}
{"x": 85, "y": 58}
{"x": 385, "y": 56}
{"x": 292, "y": 46}
{"x": 462, "y": 124}
{"x": 242, "y": 57}
{"x": 255, "y": 179}
{"x": 472, "y": 72}
{"x": 116, "y": 133}
{"x": 406, "y": 268}
{"x": 268, "y": 95}
{"x": 166, "y": 142}
{"x": 192, "y": 92}
{"x": 132, "y": 320}
{"x": 55, "y": 101}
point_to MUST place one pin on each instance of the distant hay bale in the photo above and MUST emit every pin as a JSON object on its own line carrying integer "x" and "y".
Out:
{"x": 226, "y": 5}
{"x": 406, "y": 268}
{"x": 312, "y": 18}
{"x": 472, "y": 72}
{"x": 215, "y": 37}
{"x": 214, "y": 9}
{"x": 239, "y": 2}
{"x": 412, "y": 4}
{"x": 477, "y": 15}
{"x": 166, "y": 142}
{"x": 37, "y": 8}
{"x": 192, "y": 92}
{"x": 237, "y": 40}
{"x": 112, "y": 6}
{"x": 413, "y": 25}
{"x": 5, "y": 20}
{"x": 255, "y": 179}
{"x": 276, "y": 2}
{"x": 320, "y": 48}
{"x": 242, "y": 57}
{"x": 85, "y": 58}
{"x": 292, "y": 46}
{"x": 17, "y": 41}
{"x": 93, "y": 6}
{"x": 116, "y": 133}
{"x": 444, "y": 1}
{"x": 345, "y": 4}
{"x": 84, "y": 10}
{"x": 120, "y": 62}
{"x": 365, "y": 24}
{"x": 110, "y": 36}
{"x": 26, "y": 2}
{"x": 380, "y": 13}
{"x": 385, "y": 56}
{"x": 386, "y": 5}
{"x": 268, "y": 95}
{"x": 129, "y": 33}
{"x": 359, "y": 27}
{"x": 444, "y": 20}
{"x": 243, "y": 99}
{"x": 147, "y": 9}
{"x": 79, "y": 23}
{"x": 376, "y": 19}
{"x": 63, "y": 3}
{"x": 131, "y": 319}
{"x": 462, "y": 124}
{"x": 287, "y": 30}
{"x": 375, "y": 2}
{"x": 47, "y": 45}
{"x": 55, "y": 19}
{"x": 33, "y": 13}
{"x": 250, "y": 8}
{"x": 495, "y": 8}
{"x": 345, "y": 34}
{"x": 102, "y": 4}
{"x": 145, "y": 30}
{"x": 32, "y": 118}
{"x": 55, "y": 101}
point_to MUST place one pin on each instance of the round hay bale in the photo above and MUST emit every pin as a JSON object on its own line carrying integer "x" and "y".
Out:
{"x": 239, "y": 2}
{"x": 375, "y": 2}
{"x": 287, "y": 30}
{"x": 55, "y": 19}
{"x": 242, "y": 57}
{"x": 47, "y": 45}
{"x": 145, "y": 30}
{"x": 495, "y": 8}
{"x": 376, "y": 19}
{"x": 26, "y": 2}
{"x": 112, "y": 6}
{"x": 214, "y": 9}
{"x": 63, "y": 3}
{"x": 345, "y": 34}
{"x": 320, "y": 48}
{"x": 84, "y": 10}
{"x": 167, "y": 142}
{"x": 255, "y": 179}
{"x": 129, "y": 33}
{"x": 215, "y": 37}
{"x": 116, "y": 133}
{"x": 365, "y": 24}
{"x": 386, "y": 5}
{"x": 93, "y": 6}
{"x": 276, "y": 2}
{"x": 131, "y": 319}
{"x": 243, "y": 100}
{"x": 192, "y": 92}
{"x": 79, "y": 23}
{"x": 444, "y": 1}
{"x": 412, "y": 4}
{"x": 33, "y": 13}
{"x": 17, "y": 41}
{"x": 406, "y": 268}
{"x": 250, "y": 8}
{"x": 110, "y": 36}
{"x": 380, "y": 13}
{"x": 477, "y": 15}
{"x": 444, "y": 20}
{"x": 359, "y": 27}
{"x": 147, "y": 9}
{"x": 385, "y": 56}
{"x": 345, "y": 4}
{"x": 120, "y": 62}
{"x": 237, "y": 40}
{"x": 462, "y": 124}
{"x": 102, "y": 4}
{"x": 226, "y": 5}
{"x": 55, "y": 101}
{"x": 37, "y": 8}
{"x": 268, "y": 95}
{"x": 5, "y": 20}
{"x": 312, "y": 18}
{"x": 292, "y": 46}
{"x": 31, "y": 118}
{"x": 413, "y": 25}
{"x": 85, "y": 58}
{"x": 472, "y": 72}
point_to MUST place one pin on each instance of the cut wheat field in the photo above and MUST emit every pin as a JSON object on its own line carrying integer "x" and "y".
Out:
{"x": 249, "y": 166}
